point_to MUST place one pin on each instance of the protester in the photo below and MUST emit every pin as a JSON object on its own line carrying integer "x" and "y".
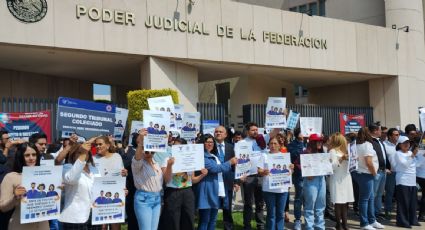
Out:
{"x": 341, "y": 188}
{"x": 12, "y": 192}
{"x": 406, "y": 191}
{"x": 420, "y": 179}
{"x": 225, "y": 151}
{"x": 148, "y": 179}
{"x": 390, "y": 145}
{"x": 178, "y": 212}
{"x": 78, "y": 177}
{"x": 314, "y": 193}
{"x": 275, "y": 198}
{"x": 211, "y": 188}
{"x": 40, "y": 141}
{"x": 367, "y": 169}
{"x": 108, "y": 162}
{"x": 127, "y": 158}
{"x": 380, "y": 178}
{"x": 237, "y": 136}
{"x": 296, "y": 147}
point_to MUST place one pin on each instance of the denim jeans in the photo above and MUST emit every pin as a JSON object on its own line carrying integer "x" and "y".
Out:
{"x": 314, "y": 202}
{"x": 147, "y": 206}
{"x": 379, "y": 186}
{"x": 54, "y": 224}
{"x": 366, "y": 199}
{"x": 298, "y": 199}
{"x": 207, "y": 219}
{"x": 275, "y": 204}
{"x": 389, "y": 192}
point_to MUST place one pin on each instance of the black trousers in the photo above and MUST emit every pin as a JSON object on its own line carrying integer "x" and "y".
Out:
{"x": 227, "y": 212}
{"x": 407, "y": 198}
{"x": 252, "y": 191}
{"x": 178, "y": 212}
{"x": 421, "y": 182}
{"x": 5, "y": 218}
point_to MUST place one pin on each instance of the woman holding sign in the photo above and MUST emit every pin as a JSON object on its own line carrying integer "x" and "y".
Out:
{"x": 178, "y": 212}
{"x": 148, "y": 179}
{"x": 211, "y": 187}
{"x": 12, "y": 192}
{"x": 275, "y": 198}
{"x": 314, "y": 190}
{"x": 340, "y": 185}
{"x": 78, "y": 177}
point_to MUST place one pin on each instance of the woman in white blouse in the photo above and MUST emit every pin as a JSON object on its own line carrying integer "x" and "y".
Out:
{"x": 78, "y": 177}
{"x": 406, "y": 191}
{"x": 340, "y": 186}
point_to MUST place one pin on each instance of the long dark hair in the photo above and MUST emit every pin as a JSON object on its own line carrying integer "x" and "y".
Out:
{"x": 75, "y": 152}
{"x": 204, "y": 139}
{"x": 312, "y": 147}
{"x": 19, "y": 162}
{"x": 363, "y": 135}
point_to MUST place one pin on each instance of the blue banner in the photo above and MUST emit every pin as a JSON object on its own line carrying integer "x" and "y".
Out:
{"x": 85, "y": 118}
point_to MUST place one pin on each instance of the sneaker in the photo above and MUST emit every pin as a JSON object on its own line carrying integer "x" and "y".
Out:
{"x": 368, "y": 227}
{"x": 297, "y": 225}
{"x": 377, "y": 225}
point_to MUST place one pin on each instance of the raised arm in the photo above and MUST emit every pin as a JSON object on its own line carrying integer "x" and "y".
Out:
{"x": 212, "y": 166}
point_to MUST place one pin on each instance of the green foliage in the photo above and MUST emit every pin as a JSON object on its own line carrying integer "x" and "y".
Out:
{"x": 138, "y": 101}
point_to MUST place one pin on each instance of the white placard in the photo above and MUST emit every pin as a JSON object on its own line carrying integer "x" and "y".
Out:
{"x": 179, "y": 115}
{"x": 243, "y": 152}
{"x": 120, "y": 123}
{"x": 275, "y": 112}
{"x": 255, "y": 159}
{"x": 191, "y": 125}
{"x": 280, "y": 173}
{"x": 157, "y": 124}
{"x": 164, "y": 104}
{"x": 188, "y": 158}
{"x": 316, "y": 164}
{"x": 353, "y": 160}
{"x": 42, "y": 201}
{"x": 291, "y": 122}
{"x": 310, "y": 125}
{"x": 108, "y": 200}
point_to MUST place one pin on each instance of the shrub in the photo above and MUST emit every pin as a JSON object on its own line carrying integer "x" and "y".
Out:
{"x": 138, "y": 101}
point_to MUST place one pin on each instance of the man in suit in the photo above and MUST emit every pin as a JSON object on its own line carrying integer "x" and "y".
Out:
{"x": 226, "y": 152}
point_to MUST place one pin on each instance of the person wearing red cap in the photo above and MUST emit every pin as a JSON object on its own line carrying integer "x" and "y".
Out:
{"x": 314, "y": 190}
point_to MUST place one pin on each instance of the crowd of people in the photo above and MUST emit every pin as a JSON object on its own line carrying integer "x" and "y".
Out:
{"x": 390, "y": 168}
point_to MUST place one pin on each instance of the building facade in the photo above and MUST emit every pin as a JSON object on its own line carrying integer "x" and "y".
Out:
{"x": 333, "y": 52}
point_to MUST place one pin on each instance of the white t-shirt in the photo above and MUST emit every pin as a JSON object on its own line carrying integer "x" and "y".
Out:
{"x": 364, "y": 150}
{"x": 178, "y": 180}
{"x": 262, "y": 164}
{"x": 111, "y": 166}
{"x": 405, "y": 168}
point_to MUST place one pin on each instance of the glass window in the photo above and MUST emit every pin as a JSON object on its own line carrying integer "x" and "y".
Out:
{"x": 313, "y": 7}
{"x": 101, "y": 92}
{"x": 322, "y": 8}
{"x": 293, "y": 9}
{"x": 302, "y": 9}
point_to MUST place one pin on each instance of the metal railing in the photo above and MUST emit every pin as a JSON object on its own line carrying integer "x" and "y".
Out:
{"x": 212, "y": 111}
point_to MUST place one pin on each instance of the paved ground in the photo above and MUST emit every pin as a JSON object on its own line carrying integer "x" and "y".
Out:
{"x": 353, "y": 219}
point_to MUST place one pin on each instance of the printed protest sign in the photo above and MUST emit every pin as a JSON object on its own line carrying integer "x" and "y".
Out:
{"x": 42, "y": 201}
{"x": 292, "y": 121}
{"x": 157, "y": 124}
{"x": 349, "y": 123}
{"x": 280, "y": 174}
{"x": 108, "y": 200}
{"x": 188, "y": 158}
{"x": 23, "y": 125}
{"x": 208, "y": 126}
{"x": 310, "y": 125}
{"x": 275, "y": 112}
{"x": 353, "y": 159}
{"x": 85, "y": 118}
{"x": 190, "y": 129}
{"x": 120, "y": 123}
{"x": 164, "y": 104}
{"x": 179, "y": 114}
{"x": 243, "y": 152}
{"x": 316, "y": 164}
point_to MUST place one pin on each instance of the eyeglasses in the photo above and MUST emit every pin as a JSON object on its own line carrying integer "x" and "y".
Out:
{"x": 148, "y": 152}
